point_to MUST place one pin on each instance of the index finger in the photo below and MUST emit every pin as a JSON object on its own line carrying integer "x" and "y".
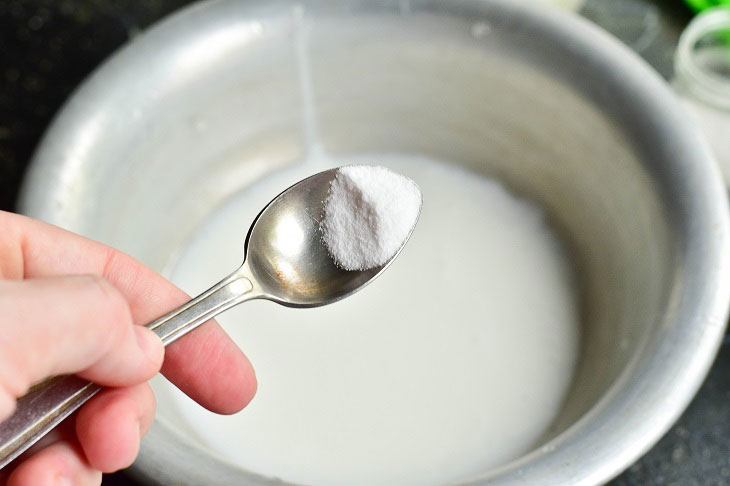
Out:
{"x": 206, "y": 364}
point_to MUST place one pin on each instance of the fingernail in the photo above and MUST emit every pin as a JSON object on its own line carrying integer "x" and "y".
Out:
{"x": 150, "y": 344}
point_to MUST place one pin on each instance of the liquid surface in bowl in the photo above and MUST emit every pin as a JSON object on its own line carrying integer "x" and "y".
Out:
{"x": 454, "y": 361}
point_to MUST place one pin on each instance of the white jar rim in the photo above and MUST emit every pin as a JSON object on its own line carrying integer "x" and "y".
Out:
{"x": 693, "y": 75}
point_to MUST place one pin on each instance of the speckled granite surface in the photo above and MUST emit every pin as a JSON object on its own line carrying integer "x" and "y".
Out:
{"x": 47, "y": 48}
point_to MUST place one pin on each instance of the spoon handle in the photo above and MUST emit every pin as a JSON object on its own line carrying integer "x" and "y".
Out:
{"x": 48, "y": 403}
{"x": 227, "y": 293}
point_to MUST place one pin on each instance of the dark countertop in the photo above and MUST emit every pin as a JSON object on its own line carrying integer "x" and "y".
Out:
{"x": 49, "y": 46}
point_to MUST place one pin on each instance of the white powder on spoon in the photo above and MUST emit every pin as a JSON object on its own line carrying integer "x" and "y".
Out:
{"x": 368, "y": 215}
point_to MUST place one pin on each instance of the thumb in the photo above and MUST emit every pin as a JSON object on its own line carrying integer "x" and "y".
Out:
{"x": 78, "y": 324}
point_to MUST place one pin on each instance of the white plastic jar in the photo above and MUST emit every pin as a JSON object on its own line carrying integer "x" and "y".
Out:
{"x": 702, "y": 79}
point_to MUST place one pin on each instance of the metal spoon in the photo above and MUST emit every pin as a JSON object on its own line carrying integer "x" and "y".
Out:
{"x": 285, "y": 261}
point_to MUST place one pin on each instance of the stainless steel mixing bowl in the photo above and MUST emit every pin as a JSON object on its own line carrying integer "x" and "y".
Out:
{"x": 209, "y": 100}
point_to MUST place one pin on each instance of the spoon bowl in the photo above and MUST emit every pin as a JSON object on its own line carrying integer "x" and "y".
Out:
{"x": 285, "y": 255}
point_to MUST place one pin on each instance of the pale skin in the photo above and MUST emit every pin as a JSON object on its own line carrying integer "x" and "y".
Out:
{"x": 71, "y": 305}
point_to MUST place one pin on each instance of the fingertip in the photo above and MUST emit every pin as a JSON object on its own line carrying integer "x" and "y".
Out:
{"x": 233, "y": 384}
{"x": 237, "y": 394}
{"x": 152, "y": 348}
{"x": 109, "y": 431}
{"x": 137, "y": 357}
{"x": 207, "y": 366}
{"x": 246, "y": 389}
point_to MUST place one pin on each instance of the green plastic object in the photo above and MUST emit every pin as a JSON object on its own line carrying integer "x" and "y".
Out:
{"x": 701, "y": 5}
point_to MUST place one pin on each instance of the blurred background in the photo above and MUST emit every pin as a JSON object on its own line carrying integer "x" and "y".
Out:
{"x": 47, "y": 48}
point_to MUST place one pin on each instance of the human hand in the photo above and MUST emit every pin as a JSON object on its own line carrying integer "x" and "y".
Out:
{"x": 69, "y": 305}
